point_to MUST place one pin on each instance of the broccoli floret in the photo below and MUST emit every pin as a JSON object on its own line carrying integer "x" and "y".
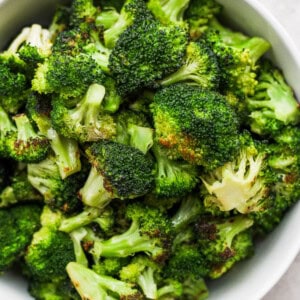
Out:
{"x": 162, "y": 52}
{"x": 60, "y": 21}
{"x": 169, "y": 11}
{"x": 132, "y": 11}
{"x": 239, "y": 184}
{"x": 196, "y": 125}
{"x": 199, "y": 14}
{"x": 58, "y": 193}
{"x": 18, "y": 224}
{"x": 200, "y": 67}
{"x": 174, "y": 178}
{"x": 6, "y": 128}
{"x": 110, "y": 266}
{"x": 150, "y": 232}
{"x": 104, "y": 218}
{"x": 86, "y": 122}
{"x": 67, "y": 75}
{"x": 19, "y": 190}
{"x": 25, "y": 144}
{"x": 224, "y": 242}
{"x": 141, "y": 270}
{"x": 194, "y": 288}
{"x": 133, "y": 129}
{"x": 118, "y": 171}
{"x": 102, "y": 286}
{"x": 48, "y": 254}
{"x": 273, "y": 104}
{"x": 237, "y": 56}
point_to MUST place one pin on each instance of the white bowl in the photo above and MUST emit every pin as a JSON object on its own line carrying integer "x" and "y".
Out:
{"x": 252, "y": 279}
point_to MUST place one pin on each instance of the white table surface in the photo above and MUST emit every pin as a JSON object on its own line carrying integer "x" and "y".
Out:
{"x": 287, "y": 13}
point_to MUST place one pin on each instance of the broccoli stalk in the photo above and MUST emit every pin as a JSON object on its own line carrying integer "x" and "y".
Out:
{"x": 85, "y": 122}
{"x": 6, "y": 127}
{"x": 107, "y": 18}
{"x": 77, "y": 236}
{"x": 91, "y": 285}
{"x": 26, "y": 145}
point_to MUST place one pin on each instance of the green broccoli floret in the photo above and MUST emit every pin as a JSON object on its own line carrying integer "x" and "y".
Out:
{"x": 196, "y": 125}
{"x": 60, "y": 21}
{"x": 162, "y": 52}
{"x": 102, "y": 286}
{"x": 6, "y": 128}
{"x": 67, "y": 75}
{"x": 150, "y": 232}
{"x": 48, "y": 254}
{"x": 174, "y": 178}
{"x": 131, "y": 11}
{"x": 194, "y": 288}
{"x": 141, "y": 271}
{"x": 104, "y": 218}
{"x": 199, "y": 14}
{"x": 169, "y": 11}
{"x": 58, "y": 193}
{"x": 86, "y": 122}
{"x": 110, "y": 266}
{"x": 224, "y": 242}
{"x": 239, "y": 184}
{"x": 200, "y": 67}
{"x": 273, "y": 104}
{"x": 237, "y": 56}
{"x": 25, "y": 144}
{"x": 19, "y": 190}
{"x": 118, "y": 171}
{"x": 133, "y": 129}
{"x": 18, "y": 224}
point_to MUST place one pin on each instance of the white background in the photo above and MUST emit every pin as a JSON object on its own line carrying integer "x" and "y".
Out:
{"x": 287, "y": 13}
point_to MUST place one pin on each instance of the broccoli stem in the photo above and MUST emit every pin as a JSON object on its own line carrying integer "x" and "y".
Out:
{"x": 140, "y": 137}
{"x": 80, "y": 220}
{"x": 77, "y": 236}
{"x": 19, "y": 40}
{"x": 147, "y": 283}
{"x": 24, "y": 128}
{"x": 174, "y": 9}
{"x": 67, "y": 153}
{"x": 7, "y": 197}
{"x": 6, "y": 125}
{"x": 126, "y": 244}
{"x": 93, "y": 193}
{"x": 107, "y": 18}
{"x": 112, "y": 34}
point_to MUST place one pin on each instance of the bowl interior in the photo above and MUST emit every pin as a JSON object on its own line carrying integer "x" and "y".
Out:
{"x": 253, "y": 278}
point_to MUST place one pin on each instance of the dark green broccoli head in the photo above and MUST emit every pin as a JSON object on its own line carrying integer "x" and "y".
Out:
{"x": 67, "y": 75}
{"x": 273, "y": 105}
{"x": 126, "y": 170}
{"x": 224, "y": 242}
{"x": 146, "y": 52}
{"x": 200, "y": 67}
{"x": 48, "y": 254}
{"x": 25, "y": 144}
{"x": 82, "y": 11}
{"x": 196, "y": 125}
{"x": 18, "y": 224}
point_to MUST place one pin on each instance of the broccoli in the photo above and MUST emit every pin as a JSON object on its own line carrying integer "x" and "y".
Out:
{"x": 60, "y": 21}
{"x": 196, "y": 125}
{"x": 25, "y": 144}
{"x": 200, "y": 67}
{"x": 174, "y": 178}
{"x": 141, "y": 270}
{"x": 18, "y": 224}
{"x": 224, "y": 242}
{"x": 6, "y": 168}
{"x": 239, "y": 184}
{"x": 102, "y": 285}
{"x": 107, "y": 17}
{"x": 132, "y": 11}
{"x": 199, "y": 14}
{"x": 237, "y": 56}
{"x": 19, "y": 190}
{"x": 273, "y": 104}
{"x": 110, "y": 266}
{"x": 146, "y": 52}
{"x": 86, "y": 122}
{"x": 67, "y": 75}
{"x": 6, "y": 129}
{"x": 150, "y": 232}
{"x": 48, "y": 254}
{"x": 169, "y": 11}
{"x": 118, "y": 171}
{"x": 58, "y": 193}
{"x": 133, "y": 129}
